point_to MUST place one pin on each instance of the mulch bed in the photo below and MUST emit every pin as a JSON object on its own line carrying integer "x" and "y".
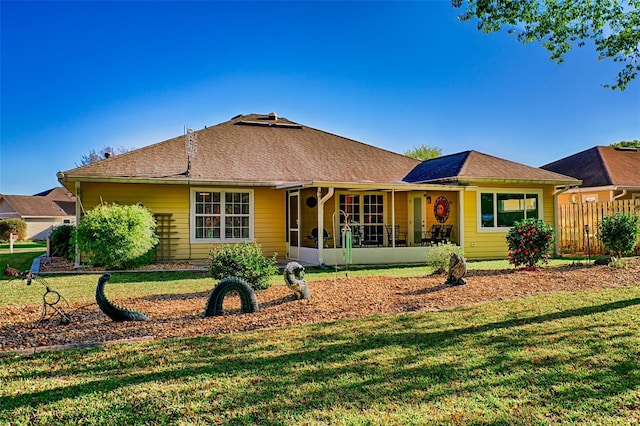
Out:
{"x": 335, "y": 299}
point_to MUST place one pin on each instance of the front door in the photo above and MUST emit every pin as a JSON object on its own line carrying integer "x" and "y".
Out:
{"x": 293, "y": 224}
{"x": 418, "y": 219}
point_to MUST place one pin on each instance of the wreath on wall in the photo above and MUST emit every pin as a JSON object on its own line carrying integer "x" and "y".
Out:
{"x": 441, "y": 209}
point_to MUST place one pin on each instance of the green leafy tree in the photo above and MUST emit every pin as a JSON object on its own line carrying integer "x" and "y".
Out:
{"x": 424, "y": 152}
{"x": 613, "y": 25}
{"x": 619, "y": 233}
{"x": 627, "y": 144}
{"x": 530, "y": 242}
{"x": 243, "y": 260}
{"x": 116, "y": 236}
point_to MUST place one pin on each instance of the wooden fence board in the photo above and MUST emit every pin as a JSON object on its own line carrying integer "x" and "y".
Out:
{"x": 573, "y": 218}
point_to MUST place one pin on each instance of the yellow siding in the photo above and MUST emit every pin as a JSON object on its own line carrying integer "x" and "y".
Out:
{"x": 401, "y": 210}
{"x": 269, "y": 213}
{"x": 493, "y": 245}
{"x": 270, "y": 220}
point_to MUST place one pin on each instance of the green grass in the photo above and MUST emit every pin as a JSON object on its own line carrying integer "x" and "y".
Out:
{"x": 24, "y": 246}
{"x": 19, "y": 260}
{"x": 555, "y": 359}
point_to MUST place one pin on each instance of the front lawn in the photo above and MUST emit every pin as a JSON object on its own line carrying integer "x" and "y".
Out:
{"x": 570, "y": 358}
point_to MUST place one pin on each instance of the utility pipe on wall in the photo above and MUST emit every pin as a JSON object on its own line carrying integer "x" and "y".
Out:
{"x": 321, "y": 201}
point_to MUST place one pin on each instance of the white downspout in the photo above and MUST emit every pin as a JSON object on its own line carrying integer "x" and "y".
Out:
{"x": 393, "y": 218}
{"x": 624, "y": 192}
{"x": 321, "y": 201}
{"x": 556, "y": 217}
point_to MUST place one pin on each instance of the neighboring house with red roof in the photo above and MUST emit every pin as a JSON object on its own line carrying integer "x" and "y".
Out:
{"x": 41, "y": 212}
{"x": 267, "y": 179}
{"x": 607, "y": 174}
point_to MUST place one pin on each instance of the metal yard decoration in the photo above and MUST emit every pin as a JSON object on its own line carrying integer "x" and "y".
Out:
{"x": 51, "y": 299}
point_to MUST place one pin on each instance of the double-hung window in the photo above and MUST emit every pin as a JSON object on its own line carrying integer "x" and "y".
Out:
{"x": 222, "y": 216}
{"x": 500, "y": 210}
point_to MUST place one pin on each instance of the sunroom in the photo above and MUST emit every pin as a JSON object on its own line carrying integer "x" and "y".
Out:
{"x": 335, "y": 223}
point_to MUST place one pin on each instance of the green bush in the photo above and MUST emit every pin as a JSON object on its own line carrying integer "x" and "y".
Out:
{"x": 13, "y": 226}
{"x": 60, "y": 240}
{"x": 438, "y": 256}
{"x": 530, "y": 242}
{"x": 244, "y": 260}
{"x": 619, "y": 233}
{"x": 116, "y": 236}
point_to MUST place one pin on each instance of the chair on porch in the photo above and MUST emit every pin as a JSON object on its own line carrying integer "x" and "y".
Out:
{"x": 325, "y": 237}
{"x": 431, "y": 236}
{"x": 445, "y": 234}
{"x": 400, "y": 237}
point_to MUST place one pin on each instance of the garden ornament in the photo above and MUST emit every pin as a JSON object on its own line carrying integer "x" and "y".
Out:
{"x": 457, "y": 270}
{"x": 294, "y": 277}
{"x": 50, "y": 298}
{"x": 113, "y": 311}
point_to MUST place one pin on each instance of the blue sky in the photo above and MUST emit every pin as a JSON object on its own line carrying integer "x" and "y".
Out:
{"x": 77, "y": 76}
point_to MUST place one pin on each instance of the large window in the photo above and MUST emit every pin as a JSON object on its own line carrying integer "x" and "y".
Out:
{"x": 503, "y": 209}
{"x": 366, "y": 215}
{"x": 221, "y": 216}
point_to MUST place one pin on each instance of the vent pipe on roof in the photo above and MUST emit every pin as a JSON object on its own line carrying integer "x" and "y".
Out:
{"x": 108, "y": 154}
{"x": 273, "y": 116}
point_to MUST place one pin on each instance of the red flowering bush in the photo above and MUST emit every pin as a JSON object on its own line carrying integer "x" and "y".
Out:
{"x": 530, "y": 242}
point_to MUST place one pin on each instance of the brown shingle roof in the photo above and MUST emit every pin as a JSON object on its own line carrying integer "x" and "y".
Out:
{"x": 255, "y": 148}
{"x": 27, "y": 205}
{"x": 601, "y": 166}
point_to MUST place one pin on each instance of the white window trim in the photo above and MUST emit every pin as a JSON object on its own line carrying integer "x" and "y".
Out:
{"x": 504, "y": 229}
{"x": 222, "y": 239}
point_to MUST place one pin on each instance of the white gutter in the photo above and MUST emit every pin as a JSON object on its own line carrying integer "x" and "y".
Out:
{"x": 165, "y": 181}
{"x": 320, "y": 239}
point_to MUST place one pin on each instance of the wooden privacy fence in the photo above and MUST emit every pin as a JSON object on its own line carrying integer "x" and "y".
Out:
{"x": 575, "y": 237}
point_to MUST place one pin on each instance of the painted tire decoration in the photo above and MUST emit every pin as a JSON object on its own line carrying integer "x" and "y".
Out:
{"x": 441, "y": 209}
{"x": 248, "y": 299}
{"x": 113, "y": 311}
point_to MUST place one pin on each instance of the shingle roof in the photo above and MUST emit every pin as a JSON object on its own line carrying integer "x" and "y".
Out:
{"x": 469, "y": 166}
{"x": 59, "y": 193}
{"x": 601, "y": 166}
{"x": 256, "y": 148}
{"x": 28, "y": 205}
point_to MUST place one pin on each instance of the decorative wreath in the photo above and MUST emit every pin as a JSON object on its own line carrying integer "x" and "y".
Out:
{"x": 441, "y": 209}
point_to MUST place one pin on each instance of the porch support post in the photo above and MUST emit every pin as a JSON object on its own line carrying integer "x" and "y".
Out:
{"x": 78, "y": 216}
{"x": 321, "y": 201}
{"x": 461, "y": 218}
{"x": 556, "y": 216}
{"x": 393, "y": 218}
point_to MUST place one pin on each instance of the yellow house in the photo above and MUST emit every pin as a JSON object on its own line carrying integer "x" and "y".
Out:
{"x": 315, "y": 197}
